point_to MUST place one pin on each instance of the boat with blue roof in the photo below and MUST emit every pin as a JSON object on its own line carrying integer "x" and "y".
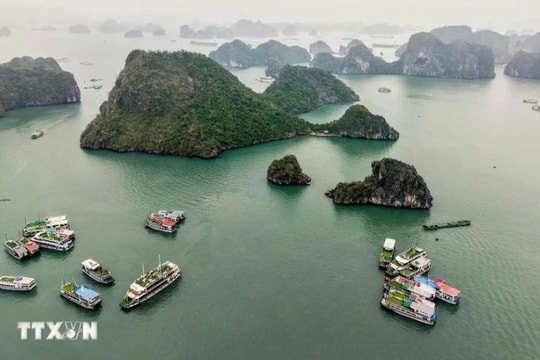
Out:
{"x": 80, "y": 294}
{"x": 444, "y": 291}
{"x": 412, "y": 286}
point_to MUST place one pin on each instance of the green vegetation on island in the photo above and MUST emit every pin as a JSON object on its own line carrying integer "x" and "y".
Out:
{"x": 392, "y": 183}
{"x": 359, "y": 122}
{"x": 183, "y": 103}
{"x": 33, "y": 82}
{"x": 238, "y": 54}
{"x": 300, "y": 89}
{"x": 287, "y": 171}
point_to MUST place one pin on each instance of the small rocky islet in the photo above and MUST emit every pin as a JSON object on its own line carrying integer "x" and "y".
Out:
{"x": 287, "y": 171}
{"x": 392, "y": 183}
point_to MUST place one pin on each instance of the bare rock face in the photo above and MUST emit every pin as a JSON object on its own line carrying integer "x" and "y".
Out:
{"x": 392, "y": 183}
{"x": 287, "y": 171}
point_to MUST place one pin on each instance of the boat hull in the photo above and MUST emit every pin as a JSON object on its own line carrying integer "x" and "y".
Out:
{"x": 408, "y": 313}
{"x": 86, "y": 305}
{"x": 158, "y": 227}
{"x": 21, "y": 289}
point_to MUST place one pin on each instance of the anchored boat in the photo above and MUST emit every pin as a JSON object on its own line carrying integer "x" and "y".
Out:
{"x": 530, "y": 101}
{"x": 150, "y": 284}
{"x": 17, "y": 283}
{"x": 409, "y": 305}
{"x": 16, "y": 249}
{"x": 418, "y": 266}
{"x": 165, "y": 220}
{"x": 444, "y": 291}
{"x": 96, "y": 271}
{"x": 37, "y": 134}
{"x": 402, "y": 261}
{"x": 447, "y": 225}
{"x": 55, "y": 240}
{"x": 412, "y": 286}
{"x": 387, "y": 253}
{"x": 49, "y": 222}
{"x": 80, "y": 295}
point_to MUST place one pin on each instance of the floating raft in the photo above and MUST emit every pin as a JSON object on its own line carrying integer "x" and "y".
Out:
{"x": 447, "y": 225}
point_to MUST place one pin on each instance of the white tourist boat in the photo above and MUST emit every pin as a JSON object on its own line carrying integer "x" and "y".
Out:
{"x": 17, "y": 283}
{"x": 55, "y": 240}
{"x": 150, "y": 284}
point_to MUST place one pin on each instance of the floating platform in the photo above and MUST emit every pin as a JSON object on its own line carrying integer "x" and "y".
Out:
{"x": 447, "y": 225}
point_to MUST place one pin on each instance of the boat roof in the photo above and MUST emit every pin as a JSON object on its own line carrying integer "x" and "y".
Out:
{"x": 19, "y": 279}
{"x": 86, "y": 292}
{"x": 90, "y": 264}
{"x": 56, "y": 220}
{"x": 421, "y": 261}
{"x": 447, "y": 288}
{"x": 137, "y": 287}
{"x": 389, "y": 244}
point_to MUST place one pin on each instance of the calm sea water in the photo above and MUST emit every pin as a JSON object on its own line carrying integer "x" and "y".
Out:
{"x": 273, "y": 272}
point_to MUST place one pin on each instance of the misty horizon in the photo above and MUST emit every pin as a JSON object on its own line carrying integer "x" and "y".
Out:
{"x": 501, "y": 16}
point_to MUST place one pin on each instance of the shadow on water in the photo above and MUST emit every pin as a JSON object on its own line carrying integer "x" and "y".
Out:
{"x": 384, "y": 221}
{"x": 362, "y": 147}
{"x": 291, "y": 192}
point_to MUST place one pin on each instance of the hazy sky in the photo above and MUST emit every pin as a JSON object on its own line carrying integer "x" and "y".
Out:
{"x": 495, "y": 14}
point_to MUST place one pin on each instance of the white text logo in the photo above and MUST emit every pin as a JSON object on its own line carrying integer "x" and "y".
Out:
{"x": 60, "y": 330}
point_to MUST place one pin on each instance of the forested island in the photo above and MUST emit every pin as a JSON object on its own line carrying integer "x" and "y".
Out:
{"x": 26, "y": 81}
{"x": 359, "y": 122}
{"x": 183, "y": 103}
{"x": 287, "y": 171}
{"x": 238, "y": 54}
{"x": 392, "y": 183}
{"x": 425, "y": 55}
{"x": 300, "y": 89}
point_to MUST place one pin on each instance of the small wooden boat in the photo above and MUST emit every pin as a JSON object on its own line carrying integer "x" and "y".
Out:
{"x": 447, "y": 225}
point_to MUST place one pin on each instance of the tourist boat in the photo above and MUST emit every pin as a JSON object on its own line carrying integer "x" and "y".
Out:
{"x": 16, "y": 249}
{"x": 530, "y": 101}
{"x": 265, "y": 79}
{"x": 387, "y": 253}
{"x": 165, "y": 220}
{"x": 536, "y": 107}
{"x": 96, "y": 271}
{"x": 447, "y": 225}
{"x": 412, "y": 286}
{"x": 150, "y": 283}
{"x": 52, "y": 239}
{"x": 57, "y": 222}
{"x": 418, "y": 266}
{"x": 17, "y": 283}
{"x": 36, "y": 134}
{"x": 204, "y": 43}
{"x": 30, "y": 246}
{"x": 402, "y": 260}
{"x": 384, "y": 90}
{"x": 80, "y": 294}
{"x": 444, "y": 291}
{"x": 409, "y": 305}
